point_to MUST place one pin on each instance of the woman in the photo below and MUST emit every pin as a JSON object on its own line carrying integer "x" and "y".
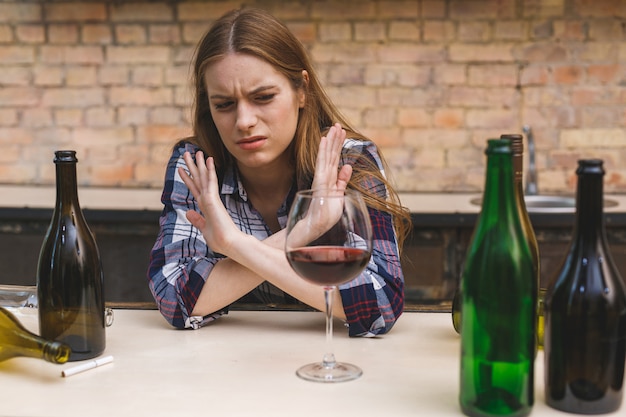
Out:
{"x": 268, "y": 130}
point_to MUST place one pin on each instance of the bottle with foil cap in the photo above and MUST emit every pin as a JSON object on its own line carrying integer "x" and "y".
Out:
{"x": 585, "y": 312}
{"x": 69, "y": 273}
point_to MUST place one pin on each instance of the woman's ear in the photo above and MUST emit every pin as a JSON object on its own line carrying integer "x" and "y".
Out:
{"x": 303, "y": 88}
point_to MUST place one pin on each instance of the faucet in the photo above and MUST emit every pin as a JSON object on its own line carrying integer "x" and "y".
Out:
{"x": 531, "y": 178}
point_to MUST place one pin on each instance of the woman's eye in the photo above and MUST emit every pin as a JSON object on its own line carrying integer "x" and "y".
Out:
{"x": 266, "y": 97}
{"x": 223, "y": 105}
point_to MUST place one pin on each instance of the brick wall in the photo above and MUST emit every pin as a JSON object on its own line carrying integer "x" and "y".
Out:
{"x": 429, "y": 80}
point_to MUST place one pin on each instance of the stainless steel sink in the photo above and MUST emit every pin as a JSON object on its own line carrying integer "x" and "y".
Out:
{"x": 549, "y": 203}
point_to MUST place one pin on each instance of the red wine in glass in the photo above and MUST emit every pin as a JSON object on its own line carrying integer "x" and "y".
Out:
{"x": 328, "y": 265}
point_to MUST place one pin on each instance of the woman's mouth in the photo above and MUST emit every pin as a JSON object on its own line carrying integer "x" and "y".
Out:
{"x": 250, "y": 144}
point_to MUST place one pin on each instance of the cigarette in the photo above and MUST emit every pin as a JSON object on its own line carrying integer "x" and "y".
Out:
{"x": 86, "y": 366}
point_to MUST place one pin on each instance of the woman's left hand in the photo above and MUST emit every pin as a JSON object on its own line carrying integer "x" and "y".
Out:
{"x": 216, "y": 225}
{"x": 327, "y": 173}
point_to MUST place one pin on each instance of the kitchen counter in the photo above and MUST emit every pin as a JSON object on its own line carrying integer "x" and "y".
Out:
{"x": 244, "y": 365}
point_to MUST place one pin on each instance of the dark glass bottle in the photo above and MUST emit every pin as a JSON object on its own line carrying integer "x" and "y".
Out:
{"x": 69, "y": 274}
{"x": 16, "y": 341}
{"x": 517, "y": 146}
{"x": 585, "y": 312}
{"x": 499, "y": 291}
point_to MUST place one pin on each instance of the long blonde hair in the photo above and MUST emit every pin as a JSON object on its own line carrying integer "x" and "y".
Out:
{"x": 256, "y": 32}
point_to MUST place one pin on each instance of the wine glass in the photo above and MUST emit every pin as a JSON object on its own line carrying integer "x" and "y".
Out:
{"x": 329, "y": 242}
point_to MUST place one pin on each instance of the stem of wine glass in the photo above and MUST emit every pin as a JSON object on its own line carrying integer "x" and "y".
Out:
{"x": 329, "y": 356}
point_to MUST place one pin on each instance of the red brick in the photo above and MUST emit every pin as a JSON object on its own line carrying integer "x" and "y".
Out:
{"x": 130, "y": 34}
{"x": 204, "y": 11}
{"x": 81, "y": 76}
{"x": 489, "y": 118}
{"x": 160, "y": 133}
{"x": 137, "y": 54}
{"x": 103, "y": 136}
{"x": 113, "y": 75}
{"x": 132, "y": 115}
{"x": 490, "y": 75}
{"x": 438, "y": 31}
{"x": 451, "y": 74}
{"x": 20, "y": 12}
{"x": 544, "y": 52}
{"x": 8, "y": 117}
{"x": 534, "y": 75}
{"x": 48, "y": 75}
{"x": 335, "y": 31}
{"x": 37, "y": 118}
{"x": 498, "y": 52}
{"x": 142, "y": 12}
{"x": 543, "y": 8}
{"x": 449, "y": 118}
{"x": 75, "y": 11}
{"x": 474, "y": 9}
{"x": 409, "y": 53}
{"x": 570, "y": 29}
{"x": 140, "y": 96}
{"x": 413, "y": 117}
{"x": 147, "y": 76}
{"x": 370, "y": 31}
{"x": 402, "y": 9}
{"x": 63, "y": 34}
{"x": 96, "y": 33}
{"x": 71, "y": 54}
{"x": 113, "y": 174}
{"x": 409, "y": 31}
{"x": 164, "y": 34}
{"x": 338, "y": 10}
{"x": 15, "y": 76}
{"x": 17, "y": 54}
{"x": 604, "y": 74}
{"x": 18, "y": 96}
{"x": 599, "y": 8}
{"x": 68, "y": 117}
{"x": 568, "y": 74}
{"x": 72, "y": 97}
{"x": 30, "y": 33}
{"x": 510, "y": 30}
{"x": 100, "y": 116}
{"x": 474, "y": 31}
{"x": 433, "y": 8}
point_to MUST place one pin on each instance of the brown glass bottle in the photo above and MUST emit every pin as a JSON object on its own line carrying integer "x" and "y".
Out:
{"x": 69, "y": 274}
{"x": 517, "y": 146}
{"x": 585, "y": 312}
{"x": 16, "y": 341}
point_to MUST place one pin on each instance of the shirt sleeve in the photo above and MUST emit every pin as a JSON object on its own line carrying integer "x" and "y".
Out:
{"x": 374, "y": 300}
{"x": 180, "y": 260}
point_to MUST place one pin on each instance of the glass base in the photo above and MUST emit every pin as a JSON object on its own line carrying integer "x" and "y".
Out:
{"x": 337, "y": 372}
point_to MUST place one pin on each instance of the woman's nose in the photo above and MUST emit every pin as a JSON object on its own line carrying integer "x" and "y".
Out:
{"x": 246, "y": 116}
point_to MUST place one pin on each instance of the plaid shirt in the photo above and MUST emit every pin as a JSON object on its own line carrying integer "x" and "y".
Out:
{"x": 181, "y": 261}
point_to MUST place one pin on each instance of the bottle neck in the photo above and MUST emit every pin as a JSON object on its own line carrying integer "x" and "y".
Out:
{"x": 66, "y": 184}
{"x": 589, "y": 207}
{"x": 499, "y": 184}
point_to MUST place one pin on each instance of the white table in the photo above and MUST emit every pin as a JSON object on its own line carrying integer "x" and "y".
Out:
{"x": 243, "y": 365}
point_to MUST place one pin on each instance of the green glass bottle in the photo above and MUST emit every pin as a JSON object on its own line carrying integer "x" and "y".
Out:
{"x": 69, "y": 274}
{"x": 517, "y": 146}
{"x": 498, "y": 302}
{"x": 16, "y": 341}
{"x": 585, "y": 312}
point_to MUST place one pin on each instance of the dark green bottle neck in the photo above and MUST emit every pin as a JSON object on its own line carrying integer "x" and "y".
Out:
{"x": 66, "y": 184}
{"x": 589, "y": 224}
{"x": 499, "y": 184}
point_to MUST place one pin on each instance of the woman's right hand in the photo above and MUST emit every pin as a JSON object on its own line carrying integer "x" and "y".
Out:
{"x": 216, "y": 225}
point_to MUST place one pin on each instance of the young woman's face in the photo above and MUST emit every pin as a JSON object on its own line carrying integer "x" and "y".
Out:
{"x": 255, "y": 109}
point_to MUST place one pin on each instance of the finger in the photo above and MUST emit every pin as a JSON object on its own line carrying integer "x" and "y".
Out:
{"x": 188, "y": 181}
{"x": 343, "y": 178}
{"x": 196, "y": 219}
{"x": 201, "y": 169}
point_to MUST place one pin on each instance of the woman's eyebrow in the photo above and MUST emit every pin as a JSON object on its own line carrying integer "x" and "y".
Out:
{"x": 255, "y": 91}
